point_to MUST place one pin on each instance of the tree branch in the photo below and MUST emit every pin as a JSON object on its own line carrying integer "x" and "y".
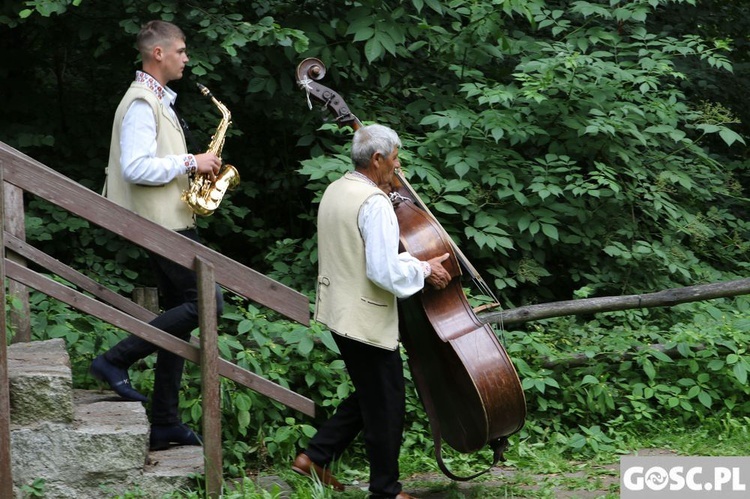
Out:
{"x": 665, "y": 298}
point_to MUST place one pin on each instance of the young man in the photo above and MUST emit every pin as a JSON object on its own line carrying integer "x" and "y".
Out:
{"x": 149, "y": 168}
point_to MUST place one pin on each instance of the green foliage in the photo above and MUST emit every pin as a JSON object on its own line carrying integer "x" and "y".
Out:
{"x": 599, "y": 380}
{"x": 243, "y": 488}
{"x": 564, "y": 156}
{"x": 35, "y": 489}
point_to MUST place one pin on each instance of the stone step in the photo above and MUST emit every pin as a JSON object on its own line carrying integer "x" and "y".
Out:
{"x": 41, "y": 383}
{"x": 171, "y": 469}
{"x": 101, "y": 450}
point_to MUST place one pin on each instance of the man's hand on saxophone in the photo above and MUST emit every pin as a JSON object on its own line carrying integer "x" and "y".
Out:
{"x": 208, "y": 164}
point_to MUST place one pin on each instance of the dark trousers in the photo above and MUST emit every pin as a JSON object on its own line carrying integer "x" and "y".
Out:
{"x": 376, "y": 408}
{"x": 178, "y": 289}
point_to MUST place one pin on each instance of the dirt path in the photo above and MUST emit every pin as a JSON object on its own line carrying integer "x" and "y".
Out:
{"x": 588, "y": 482}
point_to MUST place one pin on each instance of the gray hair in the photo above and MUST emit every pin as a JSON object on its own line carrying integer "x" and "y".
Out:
{"x": 372, "y": 139}
{"x": 155, "y": 33}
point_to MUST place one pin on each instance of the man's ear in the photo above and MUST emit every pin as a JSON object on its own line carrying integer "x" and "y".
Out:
{"x": 157, "y": 53}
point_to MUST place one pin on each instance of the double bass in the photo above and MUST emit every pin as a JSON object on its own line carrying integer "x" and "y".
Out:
{"x": 466, "y": 381}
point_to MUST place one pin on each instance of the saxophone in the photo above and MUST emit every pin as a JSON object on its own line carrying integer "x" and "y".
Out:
{"x": 203, "y": 196}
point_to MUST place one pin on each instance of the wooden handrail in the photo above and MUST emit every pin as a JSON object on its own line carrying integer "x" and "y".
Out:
{"x": 35, "y": 178}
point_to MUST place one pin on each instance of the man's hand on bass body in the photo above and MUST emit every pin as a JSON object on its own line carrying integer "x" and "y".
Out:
{"x": 439, "y": 278}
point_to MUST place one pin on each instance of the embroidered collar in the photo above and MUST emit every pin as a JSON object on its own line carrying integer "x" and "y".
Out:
{"x": 361, "y": 176}
{"x": 164, "y": 94}
{"x": 151, "y": 83}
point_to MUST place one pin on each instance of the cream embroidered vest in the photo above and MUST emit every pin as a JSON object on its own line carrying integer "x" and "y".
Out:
{"x": 161, "y": 203}
{"x": 347, "y": 301}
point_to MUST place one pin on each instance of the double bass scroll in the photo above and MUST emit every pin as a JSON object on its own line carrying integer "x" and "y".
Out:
{"x": 468, "y": 385}
{"x": 309, "y": 72}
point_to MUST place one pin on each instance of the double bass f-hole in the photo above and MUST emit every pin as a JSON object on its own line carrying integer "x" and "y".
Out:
{"x": 465, "y": 379}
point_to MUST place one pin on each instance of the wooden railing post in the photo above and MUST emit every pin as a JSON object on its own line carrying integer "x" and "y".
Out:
{"x": 147, "y": 298}
{"x": 210, "y": 391}
{"x": 6, "y": 474}
{"x": 14, "y": 223}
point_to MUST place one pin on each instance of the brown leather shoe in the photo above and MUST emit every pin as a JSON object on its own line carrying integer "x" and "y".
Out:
{"x": 304, "y": 466}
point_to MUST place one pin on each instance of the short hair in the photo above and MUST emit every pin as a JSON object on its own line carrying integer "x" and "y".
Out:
{"x": 372, "y": 139}
{"x": 155, "y": 33}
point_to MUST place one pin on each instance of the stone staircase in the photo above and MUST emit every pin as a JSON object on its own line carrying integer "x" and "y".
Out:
{"x": 83, "y": 444}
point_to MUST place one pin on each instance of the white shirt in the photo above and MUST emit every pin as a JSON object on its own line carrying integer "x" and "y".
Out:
{"x": 138, "y": 145}
{"x": 400, "y": 273}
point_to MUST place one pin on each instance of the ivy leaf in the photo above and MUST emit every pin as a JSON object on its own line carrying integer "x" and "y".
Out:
{"x": 373, "y": 49}
{"x": 730, "y": 136}
{"x": 305, "y": 346}
{"x": 705, "y": 399}
{"x": 363, "y": 34}
{"x": 443, "y": 207}
{"x": 648, "y": 368}
{"x": 740, "y": 372}
{"x": 589, "y": 380}
{"x": 550, "y": 231}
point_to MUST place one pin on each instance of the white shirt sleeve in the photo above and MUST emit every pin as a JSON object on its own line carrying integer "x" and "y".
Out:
{"x": 138, "y": 149}
{"x": 400, "y": 273}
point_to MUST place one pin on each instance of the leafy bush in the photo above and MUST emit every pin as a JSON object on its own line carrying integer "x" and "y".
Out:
{"x": 587, "y": 385}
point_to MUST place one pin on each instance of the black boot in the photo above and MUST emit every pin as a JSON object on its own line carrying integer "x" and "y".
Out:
{"x": 116, "y": 377}
{"x": 178, "y": 434}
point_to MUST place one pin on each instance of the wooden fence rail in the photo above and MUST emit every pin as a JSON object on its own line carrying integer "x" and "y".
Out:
{"x": 663, "y": 298}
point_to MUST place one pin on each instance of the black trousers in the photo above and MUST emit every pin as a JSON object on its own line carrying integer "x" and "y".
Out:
{"x": 375, "y": 408}
{"x": 178, "y": 289}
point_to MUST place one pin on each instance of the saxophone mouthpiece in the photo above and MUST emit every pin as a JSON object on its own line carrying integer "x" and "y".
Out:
{"x": 203, "y": 89}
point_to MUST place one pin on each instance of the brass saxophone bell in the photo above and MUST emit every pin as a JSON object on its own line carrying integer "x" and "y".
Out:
{"x": 227, "y": 179}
